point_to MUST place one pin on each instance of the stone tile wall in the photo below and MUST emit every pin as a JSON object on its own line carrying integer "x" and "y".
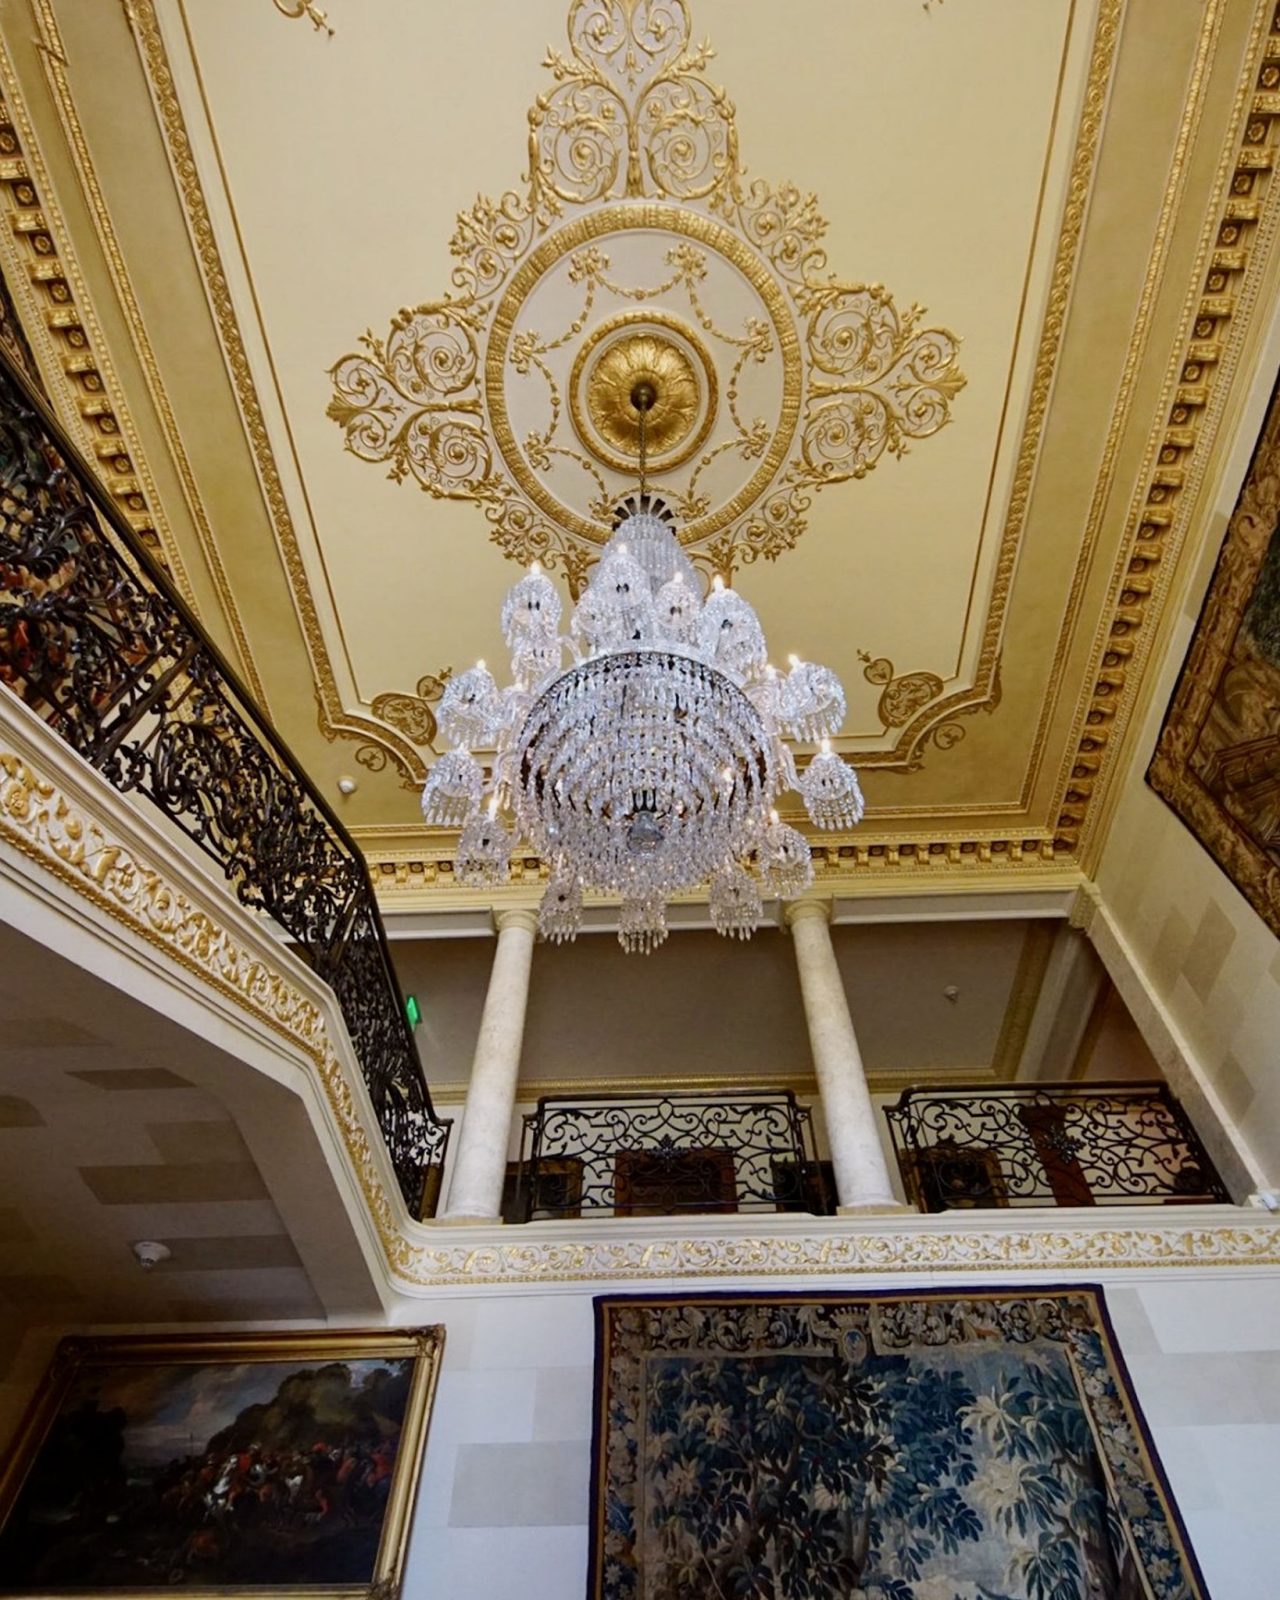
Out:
{"x": 502, "y": 1508}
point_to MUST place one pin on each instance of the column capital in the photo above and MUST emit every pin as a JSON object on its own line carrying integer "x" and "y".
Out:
{"x": 516, "y": 917}
{"x": 809, "y": 907}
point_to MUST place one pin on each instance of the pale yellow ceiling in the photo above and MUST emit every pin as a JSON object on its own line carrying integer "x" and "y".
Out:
{"x": 324, "y": 247}
{"x": 237, "y": 197}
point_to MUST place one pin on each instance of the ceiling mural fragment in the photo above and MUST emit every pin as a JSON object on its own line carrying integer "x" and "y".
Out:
{"x": 775, "y": 377}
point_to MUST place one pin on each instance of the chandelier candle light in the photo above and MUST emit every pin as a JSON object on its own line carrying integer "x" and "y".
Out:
{"x": 653, "y": 762}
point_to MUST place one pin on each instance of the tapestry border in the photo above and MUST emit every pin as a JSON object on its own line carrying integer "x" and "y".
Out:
{"x": 603, "y": 1304}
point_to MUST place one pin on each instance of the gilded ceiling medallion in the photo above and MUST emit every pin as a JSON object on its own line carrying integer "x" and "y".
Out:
{"x": 505, "y": 392}
{"x": 650, "y": 348}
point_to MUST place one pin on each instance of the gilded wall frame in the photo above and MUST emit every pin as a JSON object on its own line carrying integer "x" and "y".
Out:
{"x": 214, "y": 1464}
{"x": 1217, "y": 762}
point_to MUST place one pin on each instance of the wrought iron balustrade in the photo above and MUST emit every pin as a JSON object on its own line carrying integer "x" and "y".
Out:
{"x": 94, "y": 638}
{"x": 1069, "y": 1144}
{"x": 667, "y": 1154}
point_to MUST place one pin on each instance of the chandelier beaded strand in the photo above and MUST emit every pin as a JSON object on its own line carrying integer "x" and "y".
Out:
{"x": 651, "y": 764}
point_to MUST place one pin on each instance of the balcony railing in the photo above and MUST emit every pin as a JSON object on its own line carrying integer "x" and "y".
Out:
{"x": 664, "y": 1155}
{"x": 1050, "y": 1145}
{"x": 94, "y": 638}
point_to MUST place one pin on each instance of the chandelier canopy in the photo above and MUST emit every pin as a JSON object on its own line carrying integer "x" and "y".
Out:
{"x": 651, "y": 763}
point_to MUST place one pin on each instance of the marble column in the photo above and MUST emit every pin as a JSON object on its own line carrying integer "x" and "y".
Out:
{"x": 862, "y": 1177}
{"x": 475, "y": 1190}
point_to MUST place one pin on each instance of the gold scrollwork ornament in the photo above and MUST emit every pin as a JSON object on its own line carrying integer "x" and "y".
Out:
{"x": 633, "y": 141}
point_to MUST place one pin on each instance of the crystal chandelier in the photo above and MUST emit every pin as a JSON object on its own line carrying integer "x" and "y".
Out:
{"x": 653, "y": 762}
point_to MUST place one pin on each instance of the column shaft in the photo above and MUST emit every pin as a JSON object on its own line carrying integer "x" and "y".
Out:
{"x": 475, "y": 1191}
{"x": 857, "y": 1156}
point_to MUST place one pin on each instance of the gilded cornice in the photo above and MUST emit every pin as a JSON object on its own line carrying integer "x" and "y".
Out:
{"x": 952, "y": 858}
{"x": 1210, "y": 31}
{"x": 59, "y": 320}
{"x": 65, "y": 839}
{"x": 1236, "y": 246}
{"x": 53, "y": 57}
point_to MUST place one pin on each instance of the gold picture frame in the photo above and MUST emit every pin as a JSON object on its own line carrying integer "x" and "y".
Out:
{"x": 142, "y": 1492}
{"x": 1217, "y": 762}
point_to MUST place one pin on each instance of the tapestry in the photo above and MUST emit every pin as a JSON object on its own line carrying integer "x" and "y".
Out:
{"x": 897, "y": 1446}
{"x": 1217, "y": 762}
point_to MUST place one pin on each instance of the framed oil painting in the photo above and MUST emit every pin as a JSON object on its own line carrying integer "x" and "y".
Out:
{"x": 1217, "y": 762}
{"x": 245, "y": 1464}
{"x": 896, "y": 1445}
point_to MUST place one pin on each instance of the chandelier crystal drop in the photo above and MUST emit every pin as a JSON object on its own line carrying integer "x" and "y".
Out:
{"x": 642, "y": 924}
{"x": 784, "y": 861}
{"x": 642, "y": 752}
{"x": 560, "y": 914}
{"x": 484, "y": 850}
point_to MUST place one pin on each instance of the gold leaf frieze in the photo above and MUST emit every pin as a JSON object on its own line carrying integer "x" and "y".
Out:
{"x": 637, "y": 208}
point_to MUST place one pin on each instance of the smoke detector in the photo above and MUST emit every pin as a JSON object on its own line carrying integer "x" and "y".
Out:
{"x": 150, "y": 1252}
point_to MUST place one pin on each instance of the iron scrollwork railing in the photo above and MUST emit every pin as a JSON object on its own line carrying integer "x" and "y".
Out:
{"x": 95, "y": 640}
{"x": 1050, "y": 1145}
{"x": 666, "y": 1154}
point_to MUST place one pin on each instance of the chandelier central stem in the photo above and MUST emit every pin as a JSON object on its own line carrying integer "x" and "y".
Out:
{"x": 643, "y": 397}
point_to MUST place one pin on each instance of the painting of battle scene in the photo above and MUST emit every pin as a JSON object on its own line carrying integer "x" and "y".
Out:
{"x": 1217, "y": 762}
{"x": 255, "y": 1467}
{"x": 841, "y": 1446}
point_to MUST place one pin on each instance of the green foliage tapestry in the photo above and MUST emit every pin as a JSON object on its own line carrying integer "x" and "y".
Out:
{"x": 916, "y": 1446}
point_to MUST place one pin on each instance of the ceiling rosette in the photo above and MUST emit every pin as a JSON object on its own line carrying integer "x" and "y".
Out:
{"x": 638, "y": 247}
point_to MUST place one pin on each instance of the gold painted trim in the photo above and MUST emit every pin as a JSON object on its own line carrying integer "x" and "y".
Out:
{"x": 1235, "y": 246}
{"x": 53, "y": 56}
{"x": 933, "y": 720}
{"x": 1174, "y": 188}
{"x": 687, "y": 225}
{"x": 942, "y": 715}
{"x": 37, "y": 820}
{"x": 334, "y": 719}
{"x": 59, "y": 320}
{"x": 950, "y": 858}
{"x": 296, "y": 10}
{"x": 423, "y": 1346}
{"x": 1199, "y": 1247}
{"x": 1083, "y": 769}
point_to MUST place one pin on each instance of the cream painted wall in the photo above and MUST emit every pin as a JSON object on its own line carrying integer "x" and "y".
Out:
{"x": 1209, "y": 964}
{"x": 1209, "y": 959}
{"x": 503, "y": 1504}
{"x": 502, "y": 1510}
{"x": 702, "y": 1004}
